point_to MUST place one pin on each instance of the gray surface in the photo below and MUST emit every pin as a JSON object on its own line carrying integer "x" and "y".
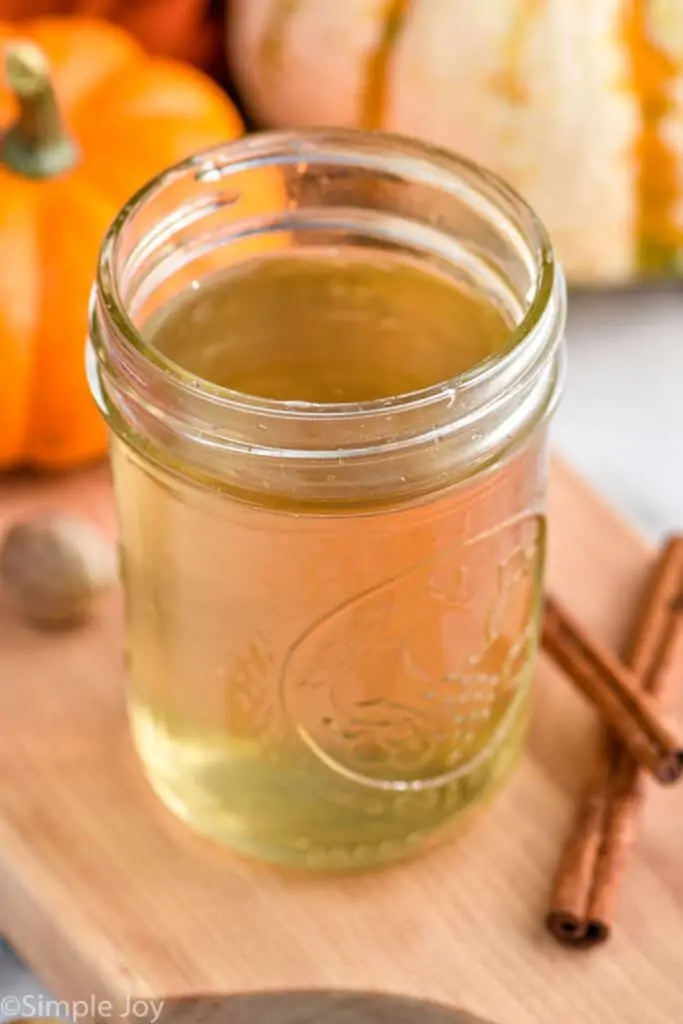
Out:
{"x": 621, "y": 424}
{"x": 20, "y": 992}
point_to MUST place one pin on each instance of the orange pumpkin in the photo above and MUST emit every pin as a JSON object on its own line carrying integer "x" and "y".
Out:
{"x": 185, "y": 29}
{"x": 63, "y": 177}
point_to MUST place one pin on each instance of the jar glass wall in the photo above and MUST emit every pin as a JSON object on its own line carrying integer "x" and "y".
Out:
{"x": 332, "y": 605}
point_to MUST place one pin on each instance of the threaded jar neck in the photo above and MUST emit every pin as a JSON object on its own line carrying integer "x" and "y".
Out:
{"x": 305, "y": 189}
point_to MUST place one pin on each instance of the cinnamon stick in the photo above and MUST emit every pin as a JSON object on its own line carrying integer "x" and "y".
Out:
{"x": 573, "y": 884}
{"x": 616, "y": 691}
{"x": 587, "y": 883}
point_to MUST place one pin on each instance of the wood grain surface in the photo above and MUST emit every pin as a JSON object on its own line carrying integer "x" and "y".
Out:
{"x": 108, "y": 897}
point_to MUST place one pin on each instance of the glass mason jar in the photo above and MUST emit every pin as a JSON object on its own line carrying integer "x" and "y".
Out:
{"x": 332, "y": 609}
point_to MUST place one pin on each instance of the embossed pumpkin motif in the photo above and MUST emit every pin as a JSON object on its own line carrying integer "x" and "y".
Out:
{"x": 578, "y": 103}
{"x": 387, "y": 690}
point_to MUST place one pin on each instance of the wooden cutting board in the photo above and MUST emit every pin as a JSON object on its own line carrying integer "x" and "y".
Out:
{"x": 108, "y": 897}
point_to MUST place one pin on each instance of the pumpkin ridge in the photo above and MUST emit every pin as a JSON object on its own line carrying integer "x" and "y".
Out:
{"x": 653, "y": 71}
{"x": 271, "y": 45}
{"x": 84, "y": 106}
{"x": 374, "y": 102}
{"x": 19, "y": 291}
{"x": 63, "y": 428}
{"x": 509, "y": 80}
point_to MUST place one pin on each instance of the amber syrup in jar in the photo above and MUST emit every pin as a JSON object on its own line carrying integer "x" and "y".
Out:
{"x": 332, "y": 614}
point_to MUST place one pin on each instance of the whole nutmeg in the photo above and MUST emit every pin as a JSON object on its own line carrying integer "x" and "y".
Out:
{"x": 54, "y": 566}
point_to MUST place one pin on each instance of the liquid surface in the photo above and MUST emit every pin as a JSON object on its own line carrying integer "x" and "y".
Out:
{"x": 329, "y": 329}
{"x": 329, "y": 690}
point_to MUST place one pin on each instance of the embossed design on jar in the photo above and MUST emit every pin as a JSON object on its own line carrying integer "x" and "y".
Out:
{"x": 250, "y": 707}
{"x": 415, "y": 682}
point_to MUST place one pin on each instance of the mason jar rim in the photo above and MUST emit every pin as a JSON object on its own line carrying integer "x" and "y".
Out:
{"x": 381, "y": 151}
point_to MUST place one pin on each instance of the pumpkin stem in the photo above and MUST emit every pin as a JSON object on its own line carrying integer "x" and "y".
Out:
{"x": 37, "y": 144}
